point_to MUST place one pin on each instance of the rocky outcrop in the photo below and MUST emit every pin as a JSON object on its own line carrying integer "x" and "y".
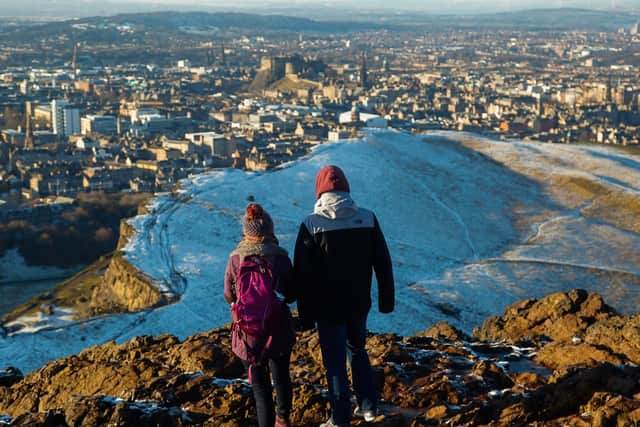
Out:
{"x": 126, "y": 231}
{"x": 437, "y": 377}
{"x": 573, "y": 328}
{"x": 125, "y": 288}
{"x": 557, "y": 317}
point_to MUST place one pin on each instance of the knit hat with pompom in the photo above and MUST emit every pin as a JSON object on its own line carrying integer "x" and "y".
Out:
{"x": 257, "y": 222}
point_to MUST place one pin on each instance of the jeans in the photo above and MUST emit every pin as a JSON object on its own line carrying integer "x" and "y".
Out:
{"x": 337, "y": 343}
{"x": 263, "y": 391}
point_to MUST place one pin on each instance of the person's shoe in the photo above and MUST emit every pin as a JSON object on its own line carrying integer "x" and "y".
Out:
{"x": 330, "y": 423}
{"x": 280, "y": 422}
{"x": 368, "y": 414}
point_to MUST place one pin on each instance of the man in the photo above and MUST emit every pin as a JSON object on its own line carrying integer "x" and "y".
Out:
{"x": 337, "y": 249}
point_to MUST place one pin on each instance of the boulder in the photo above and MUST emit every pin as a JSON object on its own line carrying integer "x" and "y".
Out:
{"x": 557, "y": 317}
{"x": 444, "y": 331}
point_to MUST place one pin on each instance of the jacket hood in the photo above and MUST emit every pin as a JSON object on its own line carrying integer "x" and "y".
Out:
{"x": 331, "y": 178}
{"x": 335, "y": 205}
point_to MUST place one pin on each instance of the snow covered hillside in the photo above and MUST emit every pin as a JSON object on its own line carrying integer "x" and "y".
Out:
{"x": 468, "y": 235}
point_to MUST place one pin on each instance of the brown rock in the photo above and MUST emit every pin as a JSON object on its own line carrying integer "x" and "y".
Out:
{"x": 492, "y": 376}
{"x": 564, "y": 354}
{"x": 444, "y": 331}
{"x": 620, "y": 334}
{"x": 605, "y": 409}
{"x": 529, "y": 380}
{"x": 558, "y": 316}
{"x": 125, "y": 288}
{"x": 437, "y": 412}
{"x": 40, "y": 419}
{"x": 101, "y": 410}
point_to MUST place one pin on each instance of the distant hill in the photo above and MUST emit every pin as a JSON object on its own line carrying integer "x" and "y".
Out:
{"x": 138, "y": 26}
{"x": 568, "y": 19}
{"x": 123, "y": 26}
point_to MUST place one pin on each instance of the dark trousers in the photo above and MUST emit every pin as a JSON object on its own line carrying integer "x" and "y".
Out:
{"x": 263, "y": 391}
{"x": 337, "y": 343}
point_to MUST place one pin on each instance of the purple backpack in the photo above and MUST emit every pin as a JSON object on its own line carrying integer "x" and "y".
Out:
{"x": 257, "y": 309}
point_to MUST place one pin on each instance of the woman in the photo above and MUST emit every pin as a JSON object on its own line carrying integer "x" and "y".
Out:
{"x": 264, "y": 344}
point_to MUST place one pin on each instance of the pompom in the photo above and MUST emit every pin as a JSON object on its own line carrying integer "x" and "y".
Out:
{"x": 254, "y": 211}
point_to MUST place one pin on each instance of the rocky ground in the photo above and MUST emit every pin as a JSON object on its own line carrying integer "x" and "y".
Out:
{"x": 567, "y": 359}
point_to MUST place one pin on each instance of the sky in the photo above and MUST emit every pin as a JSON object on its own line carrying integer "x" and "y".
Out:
{"x": 423, "y": 5}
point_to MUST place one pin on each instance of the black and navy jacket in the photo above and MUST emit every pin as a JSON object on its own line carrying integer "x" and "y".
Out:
{"x": 334, "y": 262}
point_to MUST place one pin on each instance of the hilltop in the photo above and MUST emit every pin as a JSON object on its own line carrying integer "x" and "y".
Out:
{"x": 498, "y": 221}
{"x": 146, "y": 27}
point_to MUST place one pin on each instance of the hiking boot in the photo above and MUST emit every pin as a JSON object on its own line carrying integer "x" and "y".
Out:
{"x": 330, "y": 423}
{"x": 281, "y": 422}
{"x": 369, "y": 415}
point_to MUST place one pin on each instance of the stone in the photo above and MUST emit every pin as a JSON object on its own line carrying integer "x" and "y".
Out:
{"x": 444, "y": 331}
{"x": 558, "y": 316}
{"x": 437, "y": 412}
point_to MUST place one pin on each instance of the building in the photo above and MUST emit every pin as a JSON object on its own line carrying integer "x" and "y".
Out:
{"x": 86, "y": 144}
{"x": 144, "y": 114}
{"x": 105, "y": 125}
{"x": 42, "y": 114}
{"x": 338, "y": 134}
{"x": 65, "y": 118}
{"x": 218, "y": 144}
{"x": 368, "y": 120}
{"x": 96, "y": 179}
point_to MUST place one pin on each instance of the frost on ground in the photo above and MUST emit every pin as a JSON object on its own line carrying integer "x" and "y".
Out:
{"x": 147, "y": 408}
{"x": 468, "y": 235}
{"x": 54, "y": 317}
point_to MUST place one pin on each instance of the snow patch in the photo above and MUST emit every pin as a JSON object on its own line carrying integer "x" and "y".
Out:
{"x": 28, "y": 324}
{"x": 147, "y": 408}
{"x": 223, "y": 382}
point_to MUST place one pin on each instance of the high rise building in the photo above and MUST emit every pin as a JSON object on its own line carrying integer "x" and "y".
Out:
{"x": 105, "y": 125}
{"x": 57, "y": 115}
{"x": 363, "y": 71}
{"x": 28, "y": 131}
{"x": 65, "y": 118}
{"x": 635, "y": 29}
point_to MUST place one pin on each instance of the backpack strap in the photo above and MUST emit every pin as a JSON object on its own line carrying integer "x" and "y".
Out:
{"x": 260, "y": 357}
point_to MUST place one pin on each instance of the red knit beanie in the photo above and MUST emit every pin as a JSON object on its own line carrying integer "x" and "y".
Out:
{"x": 331, "y": 178}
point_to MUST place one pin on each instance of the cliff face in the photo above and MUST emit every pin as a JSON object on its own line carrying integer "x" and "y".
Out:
{"x": 437, "y": 377}
{"x": 124, "y": 287}
{"x": 126, "y": 231}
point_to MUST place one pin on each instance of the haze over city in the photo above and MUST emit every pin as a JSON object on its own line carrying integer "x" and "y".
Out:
{"x": 80, "y": 8}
